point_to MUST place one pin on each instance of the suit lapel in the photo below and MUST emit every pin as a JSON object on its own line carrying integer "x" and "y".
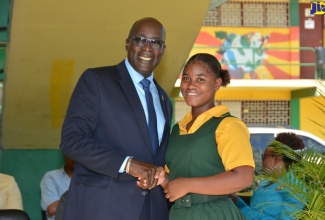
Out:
{"x": 162, "y": 101}
{"x": 166, "y": 114}
{"x": 132, "y": 95}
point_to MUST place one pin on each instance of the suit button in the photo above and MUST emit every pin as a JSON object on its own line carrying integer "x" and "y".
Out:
{"x": 144, "y": 193}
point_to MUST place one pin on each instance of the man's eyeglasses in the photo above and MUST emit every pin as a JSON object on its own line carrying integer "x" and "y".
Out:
{"x": 142, "y": 41}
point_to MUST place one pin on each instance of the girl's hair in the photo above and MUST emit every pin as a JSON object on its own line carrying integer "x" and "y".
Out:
{"x": 291, "y": 140}
{"x": 213, "y": 64}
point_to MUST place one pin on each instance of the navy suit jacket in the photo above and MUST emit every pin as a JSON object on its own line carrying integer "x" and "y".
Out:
{"x": 105, "y": 122}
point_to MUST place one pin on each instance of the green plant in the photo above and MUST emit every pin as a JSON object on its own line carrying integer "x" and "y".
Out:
{"x": 308, "y": 186}
{"x": 308, "y": 170}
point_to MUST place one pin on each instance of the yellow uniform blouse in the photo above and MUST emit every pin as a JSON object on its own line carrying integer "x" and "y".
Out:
{"x": 232, "y": 137}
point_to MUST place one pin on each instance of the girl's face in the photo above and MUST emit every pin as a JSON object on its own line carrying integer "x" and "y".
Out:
{"x": 199, "y": 85}
{"x": 272, "y": 161}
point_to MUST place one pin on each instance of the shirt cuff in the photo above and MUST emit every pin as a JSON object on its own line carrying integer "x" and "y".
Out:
{"x": 122, "y": 168}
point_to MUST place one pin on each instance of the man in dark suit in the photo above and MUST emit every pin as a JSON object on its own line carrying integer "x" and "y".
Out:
{"x": 106, "y": 132}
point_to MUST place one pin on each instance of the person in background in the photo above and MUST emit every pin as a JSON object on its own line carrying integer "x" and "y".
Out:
{"x": 53, "y": 184}
{"x": 270, "y": 200}
{"x": 10, "y": 196}
{"x": 106, "y": 131}
{"x": 209, "y": 154}
{"x": 61, "y": 206}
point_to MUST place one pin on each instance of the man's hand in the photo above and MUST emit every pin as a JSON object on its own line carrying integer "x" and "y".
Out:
{"x": 160, "y": 175}
{"x": 51, "y": 209}
{"x": 145, "y": 172}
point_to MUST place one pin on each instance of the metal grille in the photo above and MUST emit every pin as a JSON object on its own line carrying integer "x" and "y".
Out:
{"x": 276, "y": 113}
{"x": 277, "y": 14}
{"x": 253, "y": 14}
{"x": 249, "y": 14}
{"x": 230, "y": 14}
{"x": 211, "y": 19}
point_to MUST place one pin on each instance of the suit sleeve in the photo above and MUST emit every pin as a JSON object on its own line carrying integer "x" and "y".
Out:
{"x": 78, "y": 138}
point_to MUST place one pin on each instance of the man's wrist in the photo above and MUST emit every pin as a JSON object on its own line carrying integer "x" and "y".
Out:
{"x": 128, "y": 163}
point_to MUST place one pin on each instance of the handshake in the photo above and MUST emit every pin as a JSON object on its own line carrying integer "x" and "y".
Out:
{"x": 160, "y": 178}
{"x": 149, "y": 176}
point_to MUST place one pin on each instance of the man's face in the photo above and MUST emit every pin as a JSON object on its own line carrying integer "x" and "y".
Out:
{"x": 145, "y": 59}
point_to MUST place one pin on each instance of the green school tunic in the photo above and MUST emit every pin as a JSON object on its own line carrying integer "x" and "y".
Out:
{"x": 196, "y": 155}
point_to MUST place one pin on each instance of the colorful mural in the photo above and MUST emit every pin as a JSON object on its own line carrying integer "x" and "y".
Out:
{"x": 252, "y": 53}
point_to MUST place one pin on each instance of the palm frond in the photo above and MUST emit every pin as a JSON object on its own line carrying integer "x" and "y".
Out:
{"x": 308, "y": 184}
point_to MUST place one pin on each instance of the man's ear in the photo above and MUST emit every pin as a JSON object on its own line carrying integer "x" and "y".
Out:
{"x": 163, "y": 50}
{"x": 127, "y": 44}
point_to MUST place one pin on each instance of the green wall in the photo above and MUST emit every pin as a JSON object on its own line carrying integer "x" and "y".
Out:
{"x": 28, "y": 167}
{"x": 295, "y": 113}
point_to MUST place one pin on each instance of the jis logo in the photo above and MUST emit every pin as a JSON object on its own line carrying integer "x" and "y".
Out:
{"x": 317, "y": 8}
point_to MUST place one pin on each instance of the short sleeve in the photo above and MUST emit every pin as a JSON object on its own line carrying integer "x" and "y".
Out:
{"x": 232, "y": 137}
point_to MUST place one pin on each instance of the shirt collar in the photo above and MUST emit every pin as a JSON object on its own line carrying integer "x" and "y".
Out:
{"x": 216, "y": 111}
{"x": 135, "y": 76}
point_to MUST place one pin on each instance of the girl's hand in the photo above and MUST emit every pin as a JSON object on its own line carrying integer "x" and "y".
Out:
{"x": 176, "y": 189}
{"x": 162, "y": 177}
